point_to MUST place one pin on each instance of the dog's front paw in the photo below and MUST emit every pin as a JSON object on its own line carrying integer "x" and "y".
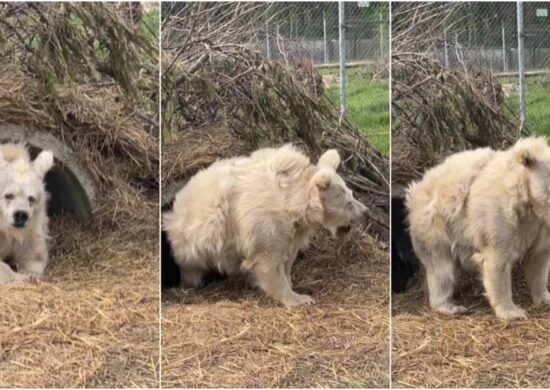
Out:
{"x": 294, "y": 300}
{"x": 542, "y": 298}
{"x": 511, "y": 313}
{"x": 24, "y": 277}
{"x": 451, "y": 309}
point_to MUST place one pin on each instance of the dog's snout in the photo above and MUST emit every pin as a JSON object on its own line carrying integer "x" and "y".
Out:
{"x": 20, "y": 217}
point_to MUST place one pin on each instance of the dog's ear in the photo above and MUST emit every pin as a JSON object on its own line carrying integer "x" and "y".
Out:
{"x": 322, "y": 180}
{"x": 525, "y": 157}
{"x": 330, "y": 159}
{"x": 43, "y": 163}
{"x": 528, "y": 151}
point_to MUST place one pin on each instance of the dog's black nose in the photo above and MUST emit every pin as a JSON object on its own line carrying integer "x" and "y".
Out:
{"x": 20, "y": 218}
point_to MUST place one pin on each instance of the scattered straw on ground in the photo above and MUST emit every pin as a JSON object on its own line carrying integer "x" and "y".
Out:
{"x": 227, "y": 335}
{"x": 93, "y": 320}
{"x": 472, "y": 351}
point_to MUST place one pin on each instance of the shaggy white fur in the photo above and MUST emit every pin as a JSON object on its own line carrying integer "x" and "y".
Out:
{"x": 253, "y": 214}
{"x": 485, "y": 210}
{"x": 23, "y": 218}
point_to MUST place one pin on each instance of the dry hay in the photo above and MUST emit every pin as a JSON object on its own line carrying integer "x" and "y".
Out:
{"x": 97, "y": 121}
{"x": 93, "y": 321}
{"x": 195, "y": 149}
{"x": 431, "y": 350}
{"x": 225, "y": 335}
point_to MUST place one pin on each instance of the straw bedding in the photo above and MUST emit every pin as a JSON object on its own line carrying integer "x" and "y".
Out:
{"x": 476, "y": 350}
{"x": 93, "y": 320}
{"x": 228, "y": 336}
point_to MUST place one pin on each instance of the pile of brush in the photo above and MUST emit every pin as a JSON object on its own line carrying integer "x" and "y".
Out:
{"x": 82, "y": 73}
{"x": 214, "y": 79}
{"x": 437, "y": 111}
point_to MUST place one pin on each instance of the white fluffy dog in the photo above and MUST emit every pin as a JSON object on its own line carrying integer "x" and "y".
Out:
{"x": 253, "y": 214}
{"x": 23, "y": 218}
{"x": 485, "y": 210}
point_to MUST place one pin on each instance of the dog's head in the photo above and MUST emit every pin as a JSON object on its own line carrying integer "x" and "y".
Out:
{"x": 340, "y": 208}
{"x": 533, "y": 154}
{"x": 22, "y": 188}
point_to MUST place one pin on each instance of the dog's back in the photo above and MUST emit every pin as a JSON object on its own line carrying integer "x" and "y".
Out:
{"x": 206, "y": 217}
{"x": 444, "y": 189}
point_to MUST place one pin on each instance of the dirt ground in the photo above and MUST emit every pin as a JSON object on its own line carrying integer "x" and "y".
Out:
{"x": 227, "y": 335}
{"x": 93, "y": 320}
{"x": 473, "y": 351}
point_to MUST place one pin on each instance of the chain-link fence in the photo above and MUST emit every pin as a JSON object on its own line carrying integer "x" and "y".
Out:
{"x": 311, "y": 30}
{"x": 483, "y": 36}
{"x": 348, "y": 43}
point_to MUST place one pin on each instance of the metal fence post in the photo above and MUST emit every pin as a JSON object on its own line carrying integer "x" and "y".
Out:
{"x": 446, "y": 50}
{"x": 521, "y": 65}
{"x": 342, "y": 49}
{"x": 268, "y": 47}
{"x": 325, "y": 43}
{"x": 381, "y": 33}
{"x": 504, "y": 67}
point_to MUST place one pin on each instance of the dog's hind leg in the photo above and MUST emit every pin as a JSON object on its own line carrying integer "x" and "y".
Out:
{"x": 536, "y": 268}
{"x": 441, "y": 278}
{"x": 7, "y": 275}
{"x": 289, "y": 263}
{"x": 288, "y": 271}
{"x": 271, "y": 276}
{"x": 497, "y": 280}
{"x": 191, "y": 276}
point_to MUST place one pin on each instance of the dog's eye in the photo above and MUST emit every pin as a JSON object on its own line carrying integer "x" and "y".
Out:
{"x": 8, "y": 196}
{"x": 32, "y": 199}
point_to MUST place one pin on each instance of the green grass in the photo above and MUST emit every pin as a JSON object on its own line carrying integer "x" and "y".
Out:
{"x": 367, "y": 105}
{"x": 150, "y": 24}
{"x": 538, "y": 102}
